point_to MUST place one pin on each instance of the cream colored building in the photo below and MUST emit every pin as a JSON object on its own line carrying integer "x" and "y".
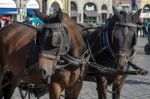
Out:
{"x": 43, "y": 5}
{"x": 90, "y": 11}
{"x": 82, "y": 11}
{"x": 26, "y": 6}
{"x": 140, "y": 4}
{"x": 145, "y": 5}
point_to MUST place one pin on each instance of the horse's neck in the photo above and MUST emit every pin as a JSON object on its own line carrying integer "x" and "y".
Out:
{"x": 94, "y": 40}
{"x": 77, "y": 42}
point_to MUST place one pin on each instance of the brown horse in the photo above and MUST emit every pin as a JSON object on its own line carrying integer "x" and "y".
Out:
{"x": 61, "y": 55}
{"x": 15, "y": 45}
{"x": 113, "y": 46}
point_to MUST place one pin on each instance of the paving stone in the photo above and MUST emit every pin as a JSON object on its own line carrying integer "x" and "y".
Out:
{"x": 135, "y": 87}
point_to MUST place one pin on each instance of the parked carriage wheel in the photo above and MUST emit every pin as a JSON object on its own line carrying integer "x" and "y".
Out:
{"x": 26, "y": 94}
{"x": 23, "y": 95}
{"x": 25, "y": 91}
{"x": 147, "y": 49}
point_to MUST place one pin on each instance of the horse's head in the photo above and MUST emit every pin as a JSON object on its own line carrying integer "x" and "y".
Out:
{"x": 122, "y": 30}
{"x": 54, "y": 41}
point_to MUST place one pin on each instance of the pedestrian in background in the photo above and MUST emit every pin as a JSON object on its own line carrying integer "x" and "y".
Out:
{"x": 141, "y": 28}
{"x": 145, "y": 29}
{"x": 2, "y": 22}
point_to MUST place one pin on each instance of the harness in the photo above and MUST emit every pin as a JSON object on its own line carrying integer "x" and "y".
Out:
{"x": 59, "y": 40}
{"x": 64, "y": 55}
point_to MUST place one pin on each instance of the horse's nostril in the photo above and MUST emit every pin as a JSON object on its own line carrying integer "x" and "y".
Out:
{"x": 121, "y": 67}
{"x": 43, "y": 72}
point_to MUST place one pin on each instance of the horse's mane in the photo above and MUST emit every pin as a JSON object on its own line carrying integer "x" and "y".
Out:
{"x": 74, "y": 32}
{"x": 71, "y": 25}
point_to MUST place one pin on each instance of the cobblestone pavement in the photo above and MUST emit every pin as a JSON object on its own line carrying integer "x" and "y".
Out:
{"x": 135, "y": 87}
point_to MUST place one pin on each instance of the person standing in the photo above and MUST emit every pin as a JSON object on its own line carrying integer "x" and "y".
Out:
{"x": 141, "y": 28}
{"x": 2, "y": 23}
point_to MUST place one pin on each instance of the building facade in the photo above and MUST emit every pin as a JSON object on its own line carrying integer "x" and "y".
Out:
{"x": 8, "y": 8}
{"x": 145, "y": 6}
{"x": 26, "y": 7}
{"x": 139, "y": 4}
{"x": 84, "y": 11}
{"x": 50, "y": 4}
{"x": 90, "y": 11}
{"x": 81, "y": 11}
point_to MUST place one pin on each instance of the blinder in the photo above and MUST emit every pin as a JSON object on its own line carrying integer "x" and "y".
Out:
{"x": 127, "y": 24}
{"x": 59, "y": 39}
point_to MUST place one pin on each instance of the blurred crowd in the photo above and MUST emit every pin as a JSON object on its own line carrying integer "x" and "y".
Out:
{"x": 35, "y": 21}
{"x": 144, "y": 30}
{"x": 4, "y": 20}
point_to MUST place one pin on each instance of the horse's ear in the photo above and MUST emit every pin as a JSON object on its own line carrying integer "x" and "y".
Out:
{"x": 136, "y": 16}
{"x": 116, "y": 13}
{"x": 40, "y": 14}
{"x": 60, "y": 14}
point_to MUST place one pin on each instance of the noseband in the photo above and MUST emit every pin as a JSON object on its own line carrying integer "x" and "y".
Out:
{"x": 126, "y": 24}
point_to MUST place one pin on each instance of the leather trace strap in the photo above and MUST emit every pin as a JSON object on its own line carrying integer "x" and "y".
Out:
{"x": 54, "y": 25}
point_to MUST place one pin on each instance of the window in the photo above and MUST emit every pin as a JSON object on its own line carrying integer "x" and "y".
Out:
{"x": 104, "y": 16}
{"x": 146, "y": 8}
{"x": 90, "y": 7}
{"x": 73, "y": 6}
{"x": 104, "y": 7}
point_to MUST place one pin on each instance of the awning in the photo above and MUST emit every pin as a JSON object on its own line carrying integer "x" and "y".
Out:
{"x": 8, "y": 7}
{"x": 91, "y": 13}
{"x": 8, "y": 11}
{"x": 32, "y": 4}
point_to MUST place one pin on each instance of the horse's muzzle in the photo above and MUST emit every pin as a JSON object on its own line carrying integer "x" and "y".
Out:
{"x": 46, "y": 75}
{"x": 122, "y": 60}
{"x": 46, "y": 67}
